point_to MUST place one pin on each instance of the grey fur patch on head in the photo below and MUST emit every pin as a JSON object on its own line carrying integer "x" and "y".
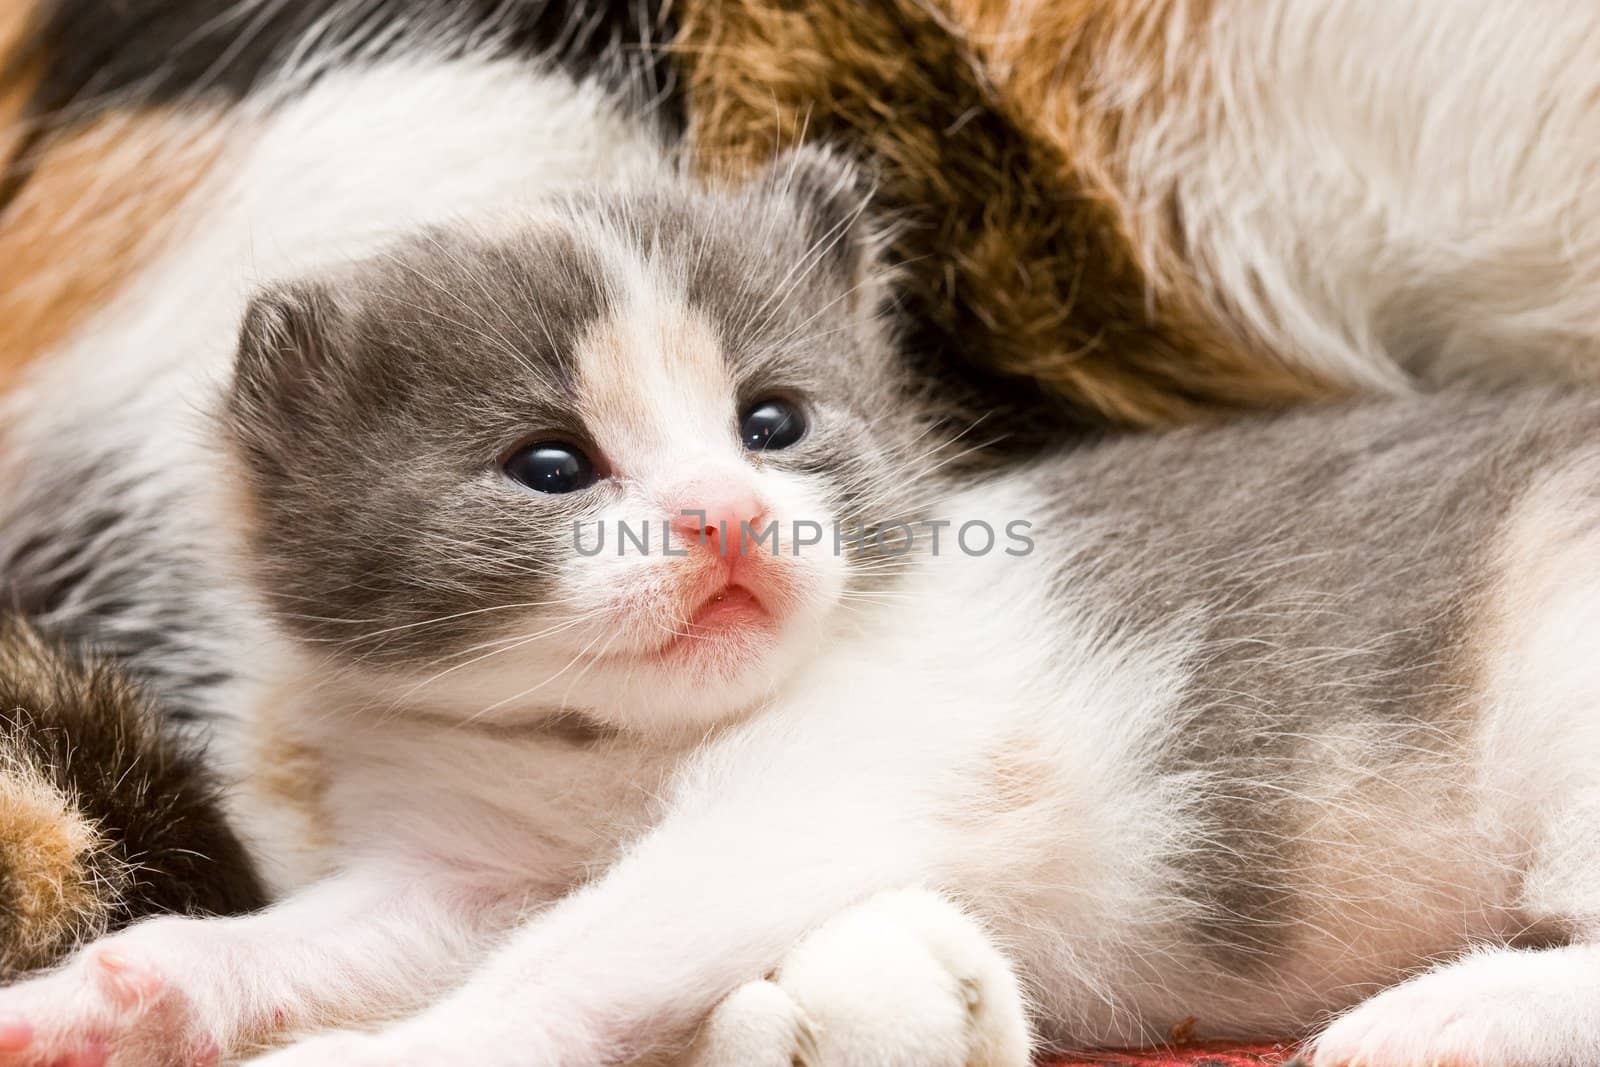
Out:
{"x": 372, "y": 410}
{"x": 371, "y": 414}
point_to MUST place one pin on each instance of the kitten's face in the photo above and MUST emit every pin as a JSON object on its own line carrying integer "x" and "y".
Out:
{"x": 435, "y": 445}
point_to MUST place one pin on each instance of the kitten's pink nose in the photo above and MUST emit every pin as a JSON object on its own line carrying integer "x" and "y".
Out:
{"x": 721, "y": 516}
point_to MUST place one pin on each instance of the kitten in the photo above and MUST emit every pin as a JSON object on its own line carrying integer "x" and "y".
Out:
{"x": 1238, "y": 725}
{"x": 158, "y": 159}
{"x": 1145, "y": 211}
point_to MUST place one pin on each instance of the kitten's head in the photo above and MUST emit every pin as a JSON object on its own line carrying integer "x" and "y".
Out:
{"x": 435, "y": 442}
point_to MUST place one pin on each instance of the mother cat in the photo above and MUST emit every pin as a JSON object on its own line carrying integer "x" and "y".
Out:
{"x": 1151, "y": 210}
{"x": 1242, "y": 726}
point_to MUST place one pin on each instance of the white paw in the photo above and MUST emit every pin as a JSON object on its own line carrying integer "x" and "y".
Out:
{"x": 758, "y": 1025}
{"x": 902, "y": 980}
{"x": 117, "y": 1004}
{"x": 1498, "y": 1008}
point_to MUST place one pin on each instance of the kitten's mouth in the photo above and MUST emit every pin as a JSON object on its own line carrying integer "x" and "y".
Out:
{"x": 730, "y": 624}
{"x": 730, "y": 606}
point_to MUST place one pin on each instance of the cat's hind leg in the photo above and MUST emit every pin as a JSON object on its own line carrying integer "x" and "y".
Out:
{"x": 901, "y": 980}
{"x": 1497, "y": 1007}
{"x": 1537, "y": 784}
{"x": 1501, "y": 1006}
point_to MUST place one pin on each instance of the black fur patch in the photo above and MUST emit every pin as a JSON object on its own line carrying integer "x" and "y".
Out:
{"x": 98, "y": 54}
{"x": 77, "y": 558}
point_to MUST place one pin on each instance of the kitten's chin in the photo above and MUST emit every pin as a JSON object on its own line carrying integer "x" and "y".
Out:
{"x": 725, "y": 665}
{"x": 730, "y": 660}
{"x": 727, "y": 634}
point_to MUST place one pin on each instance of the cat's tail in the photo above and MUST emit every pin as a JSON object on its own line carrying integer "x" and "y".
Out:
{"x": 106, "y": 815}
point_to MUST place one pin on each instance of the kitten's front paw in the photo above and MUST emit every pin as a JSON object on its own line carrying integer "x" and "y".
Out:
{"x": 112, "y": 1006}
{"x": 902, "y": 980}
{"x": 1499, "y": 1008}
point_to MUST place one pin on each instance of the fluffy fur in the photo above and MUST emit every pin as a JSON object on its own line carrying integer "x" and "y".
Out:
{"x": 1019, "y": 266}
{"x": 18, "y": 83}
{"x": 165, "y": 156}
{"x": 1257, "y": 721}
{"x": 105, "y": 817}
{"x": 1162, "y": 208}
{"x": 112, "y": 530}
{"x": 1139, "y": 212}
{"x": 112, "y": 118}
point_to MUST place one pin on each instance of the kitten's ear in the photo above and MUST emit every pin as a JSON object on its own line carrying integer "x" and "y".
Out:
{"x": 834, "y": 196}
{"x": 287, "y": 345}
{"x": 288, "y": 359}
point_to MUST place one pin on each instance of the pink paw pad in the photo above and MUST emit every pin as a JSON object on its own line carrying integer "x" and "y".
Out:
{"x": 206, "y": 1054}
{"x": 15, "y": 1036}
{"x": 92, "y": 1054}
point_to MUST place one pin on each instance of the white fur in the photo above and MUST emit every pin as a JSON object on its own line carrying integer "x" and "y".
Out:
{"x": 1496, "y": 1006}
{"x": 900, "y": 980}
{"x": 1375, "y": 190}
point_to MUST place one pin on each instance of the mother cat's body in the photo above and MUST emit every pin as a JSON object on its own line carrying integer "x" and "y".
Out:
{"x": 1267, "y": 717}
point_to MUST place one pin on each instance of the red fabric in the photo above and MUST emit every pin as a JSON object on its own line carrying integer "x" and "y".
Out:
{"x": 1220, "y": 1055}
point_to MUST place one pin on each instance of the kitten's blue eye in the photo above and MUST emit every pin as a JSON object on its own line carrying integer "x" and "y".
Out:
{"x": 551, "y": 467}
{"x": 771, "y": 425}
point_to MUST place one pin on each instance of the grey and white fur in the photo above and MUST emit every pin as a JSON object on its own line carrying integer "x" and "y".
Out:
{"x": 160, "y": 157}
{"x": 1278, "y": 722}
